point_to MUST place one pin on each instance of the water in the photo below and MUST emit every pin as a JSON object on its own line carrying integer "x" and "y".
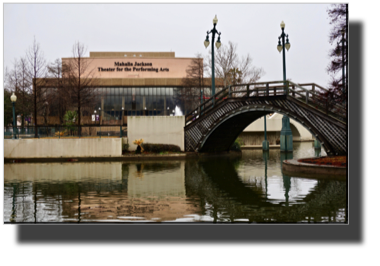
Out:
{"x": 177, "y": 111}
{"x": 214, "y": 189}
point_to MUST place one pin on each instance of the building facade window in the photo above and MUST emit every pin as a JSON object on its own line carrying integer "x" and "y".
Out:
{"x": 137, "y": 101}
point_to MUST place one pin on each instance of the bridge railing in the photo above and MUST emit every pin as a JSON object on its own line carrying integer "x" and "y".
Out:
{"x": 316, "y": 97}
{"x": 258, "y": 89}
{"x": 319, "y": 98}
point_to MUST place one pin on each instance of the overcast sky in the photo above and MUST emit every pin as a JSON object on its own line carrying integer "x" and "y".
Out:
{"x": 180, "y": 28}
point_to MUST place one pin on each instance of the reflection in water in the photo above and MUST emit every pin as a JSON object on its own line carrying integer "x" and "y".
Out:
{"x": 286, "y": 179}
{"x": 247, "y": 189}
{"x": 266, "y": 158}
{"x": 228, "y": 199}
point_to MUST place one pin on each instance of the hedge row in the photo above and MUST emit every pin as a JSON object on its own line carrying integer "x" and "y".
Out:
{"x": 150, "y": 147}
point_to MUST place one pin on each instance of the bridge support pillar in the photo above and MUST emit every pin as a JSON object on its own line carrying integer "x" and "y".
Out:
{"x": 317, "y": 145}
{"x": 286, "y": 137}
{"x": 265, "y": 145}
{"x": 265, "y": 142}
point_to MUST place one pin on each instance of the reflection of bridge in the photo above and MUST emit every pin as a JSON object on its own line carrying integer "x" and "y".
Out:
{"x": 214, "y": 127}
{"x": 217, "y": 183}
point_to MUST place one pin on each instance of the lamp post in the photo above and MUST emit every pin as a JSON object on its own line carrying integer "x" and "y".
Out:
{"x": 100, "y": 129}
{"x": 13, "y": 100}
{"x": 265, "y": 142}
{"x": 121, "y": 122}
{"x": 94, "y": 119}
{"x": 217, "y": 44}
{"x": 286, "y": 137}
{"x": 201, "y": 101}
{"x": 282, "y": 46}
{"x": 46, "y": 106}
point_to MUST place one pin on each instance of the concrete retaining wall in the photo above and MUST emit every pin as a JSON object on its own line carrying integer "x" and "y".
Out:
{"x": 257, "y": 138}
{"x": 62, "y": 148}
{"x": 156, "y": 129}
{"x": 152, "y": 129}
{"x": 274, "y": 124}
{"x": 63, "y": 172}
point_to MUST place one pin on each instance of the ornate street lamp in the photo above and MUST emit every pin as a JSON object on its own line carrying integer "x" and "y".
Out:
{"x": 282, "y": 46}
{"x": 13, "y": 100}
{"x": 286, "y": 137}
{"x": 217, "y": 44}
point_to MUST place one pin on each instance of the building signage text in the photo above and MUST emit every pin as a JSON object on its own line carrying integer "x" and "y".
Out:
{"x": 130, "y": 67}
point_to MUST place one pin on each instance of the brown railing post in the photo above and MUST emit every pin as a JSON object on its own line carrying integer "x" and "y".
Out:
{"x": 287, "y": 88}
{"x": 307, "y": 97}
{"x": 247, "y": 90}
{"x": 293, "y": 92}
{"x": 267, "y": 89}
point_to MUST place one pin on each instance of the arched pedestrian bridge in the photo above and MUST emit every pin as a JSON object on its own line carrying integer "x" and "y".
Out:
{"x": 213, "y": 127}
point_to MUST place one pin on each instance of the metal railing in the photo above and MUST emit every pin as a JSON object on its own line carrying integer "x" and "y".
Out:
{"x": 60, "y": 131}
{"x": 311, "y": 94}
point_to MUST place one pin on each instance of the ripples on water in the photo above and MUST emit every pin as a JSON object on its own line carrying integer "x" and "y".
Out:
{"x": 217, "y": 189}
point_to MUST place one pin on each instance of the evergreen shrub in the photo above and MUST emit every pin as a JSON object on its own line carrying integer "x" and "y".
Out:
{"x": 157, "y": 148}
{"x": 236, "y": 146}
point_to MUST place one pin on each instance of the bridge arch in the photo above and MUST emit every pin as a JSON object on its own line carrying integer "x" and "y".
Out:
{"x": 295, "y": 131}
{"x": 216, "y": 131}
{"x": 221, "y": 136}
{"x": 216, "y": 123}
{"x": 274, "y": 125}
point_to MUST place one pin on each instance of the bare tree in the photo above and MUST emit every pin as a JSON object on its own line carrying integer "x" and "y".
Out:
{"x": 59, "y": 97}
{"x": 12, "y": 78}
{"x": 7, "y": 107}
{"x": 16, "y": 80}
{"x": 230, "y": 68}
{"x": 81, "y": 80}
{"x": 25, "y": 91}
{"x": 339, "y": 22}
{"x": 36, "y": 74}
{"x": 194, "y": 82}
{"x": 11, "y": 85}
{"x": 235, "y": 76}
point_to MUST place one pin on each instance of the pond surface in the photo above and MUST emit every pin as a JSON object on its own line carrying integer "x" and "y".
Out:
{"x": 251, "y": 188}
